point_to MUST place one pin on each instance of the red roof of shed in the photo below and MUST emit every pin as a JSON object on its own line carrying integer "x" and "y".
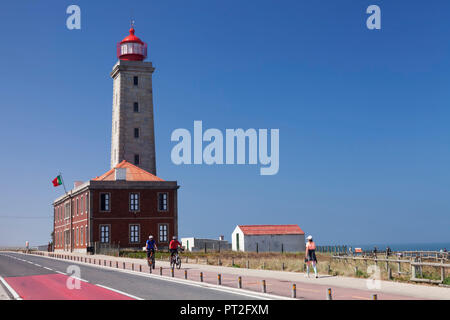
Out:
{"x": 271, "y": 229}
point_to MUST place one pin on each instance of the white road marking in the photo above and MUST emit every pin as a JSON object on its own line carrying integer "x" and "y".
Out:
{"x": 61, "y": 272}
{"x": 121, "y": 292}
{"x": 11, "y": 290}
{"x": 48, "y": 268}
{"x": 78, "y": 278}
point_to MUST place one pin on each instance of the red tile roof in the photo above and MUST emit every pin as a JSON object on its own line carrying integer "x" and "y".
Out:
{"x": 133, "y": 173}
{"x": 271, "y": 229}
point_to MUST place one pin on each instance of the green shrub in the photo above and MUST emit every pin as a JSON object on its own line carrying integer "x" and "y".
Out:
{"x": 361, "y": 274}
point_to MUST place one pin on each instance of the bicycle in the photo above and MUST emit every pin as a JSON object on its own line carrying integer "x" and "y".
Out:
{"x": 151, "y": 259}
{"x": 176, "y": 260}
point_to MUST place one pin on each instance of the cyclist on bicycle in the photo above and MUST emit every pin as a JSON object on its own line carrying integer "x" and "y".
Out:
{"x": 173, "y": 247}
{"x": 151, "y": 247}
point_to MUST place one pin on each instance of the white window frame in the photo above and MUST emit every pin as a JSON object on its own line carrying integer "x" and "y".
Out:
{"x": 134, "y": 234}
{"x": 167, "y": 201}
{"x": 134, "y": 201}
{"x": 108, "y": 231}
{"x": 81, "y": 236}
{"x": 107, "y": 204}
{"x": 163, "y": 232}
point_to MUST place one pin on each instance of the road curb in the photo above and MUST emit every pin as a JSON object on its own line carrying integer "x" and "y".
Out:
{"x": 9, "y": 290}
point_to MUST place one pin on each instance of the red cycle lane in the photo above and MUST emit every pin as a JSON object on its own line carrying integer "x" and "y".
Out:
{"x": 54, "y": 287}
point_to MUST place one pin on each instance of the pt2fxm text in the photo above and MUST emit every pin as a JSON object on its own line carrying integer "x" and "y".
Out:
{"x": 246, "y": 309}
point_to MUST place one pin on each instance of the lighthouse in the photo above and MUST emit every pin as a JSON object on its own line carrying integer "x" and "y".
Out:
{"x": 133, "y": 134}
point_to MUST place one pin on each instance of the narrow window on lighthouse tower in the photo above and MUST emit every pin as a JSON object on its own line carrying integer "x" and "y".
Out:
{"x": 136, "y": 159}
{"x": 136, "y": 132}
{"x": 136, "y": 81}
{"x": 136, "y": 107}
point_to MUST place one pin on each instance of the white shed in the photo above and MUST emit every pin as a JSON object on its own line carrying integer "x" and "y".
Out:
{"x": 268, "y": 238}
{"x": 200, "y": 244}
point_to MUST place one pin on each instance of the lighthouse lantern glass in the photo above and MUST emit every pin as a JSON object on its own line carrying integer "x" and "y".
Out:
{"x": 132, "y": 48}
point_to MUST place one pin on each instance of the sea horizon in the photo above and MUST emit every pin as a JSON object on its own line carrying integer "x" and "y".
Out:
{"x": 432, "y": 246}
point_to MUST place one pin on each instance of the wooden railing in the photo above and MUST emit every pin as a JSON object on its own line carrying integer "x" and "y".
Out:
{"x": 414, "y": 260}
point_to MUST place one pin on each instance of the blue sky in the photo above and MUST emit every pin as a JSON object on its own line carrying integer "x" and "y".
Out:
{"x": 363, "y": 115}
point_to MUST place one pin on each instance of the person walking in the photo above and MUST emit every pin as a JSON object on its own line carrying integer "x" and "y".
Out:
{"x": 310, "y": 256}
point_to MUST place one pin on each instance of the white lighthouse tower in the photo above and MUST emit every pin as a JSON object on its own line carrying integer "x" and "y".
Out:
{"x": 133, "y": 135}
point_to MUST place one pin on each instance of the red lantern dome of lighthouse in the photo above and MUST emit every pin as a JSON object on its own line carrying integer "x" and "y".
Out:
{"x": 132, "y": 48}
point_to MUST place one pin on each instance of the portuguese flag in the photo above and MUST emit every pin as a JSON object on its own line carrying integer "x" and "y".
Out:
{"x": 57, "y": 181}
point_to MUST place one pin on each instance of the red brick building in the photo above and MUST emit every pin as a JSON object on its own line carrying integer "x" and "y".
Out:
{"x": 122, "y": 207}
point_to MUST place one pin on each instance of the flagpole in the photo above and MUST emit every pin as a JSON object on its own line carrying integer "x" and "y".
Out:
{"x": 62, "y": 180}
{"x": 71, "y": 211}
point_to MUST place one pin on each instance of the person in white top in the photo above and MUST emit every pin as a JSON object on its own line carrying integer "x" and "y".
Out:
{"x": 310, "y": 256}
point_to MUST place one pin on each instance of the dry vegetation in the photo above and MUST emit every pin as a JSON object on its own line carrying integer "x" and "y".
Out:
{"x": 294, "y": 262}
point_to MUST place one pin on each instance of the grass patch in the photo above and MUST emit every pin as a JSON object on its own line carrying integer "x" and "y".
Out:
{"x": 361, "y": 274}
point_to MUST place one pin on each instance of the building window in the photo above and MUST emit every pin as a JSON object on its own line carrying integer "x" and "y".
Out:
{"x": 66, "y": 237}
{"x": 135, "y": 80}
{"x": 136, "y": 107}
{"x": 134, "y": 201}
{"x": 104, "y": 201}
{"x": 162, "y": 201}
{"x": 104, "y": 233}
{"x": 76, "y": 207}
{"x": 87, "y": 234}
{"x": 81, "y": 236}
{"x": 87, "y": 202}
{"x": 136, "y": 133}
{"x": 134, "y": 233}
{"x": 76, "y": 236}
{"x": 163, "y": 232}
{"x": 136, "y": 159}
{"x": 82, "y": 205}
{"x": 67, "y": 210}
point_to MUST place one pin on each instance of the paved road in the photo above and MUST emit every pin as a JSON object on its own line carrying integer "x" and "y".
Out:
{"x": 35, "y": 277}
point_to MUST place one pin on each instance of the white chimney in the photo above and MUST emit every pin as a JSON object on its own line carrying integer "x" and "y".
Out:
{"x": 121, "y": 174}
{"x": 221, "y": 238}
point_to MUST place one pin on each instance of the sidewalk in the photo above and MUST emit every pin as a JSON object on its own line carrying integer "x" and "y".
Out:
{"x": 3, "y": 294}
{"x": 277, "y": 282}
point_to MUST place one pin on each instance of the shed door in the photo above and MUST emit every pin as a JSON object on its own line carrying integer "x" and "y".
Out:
{"x": 237, "y": 241}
